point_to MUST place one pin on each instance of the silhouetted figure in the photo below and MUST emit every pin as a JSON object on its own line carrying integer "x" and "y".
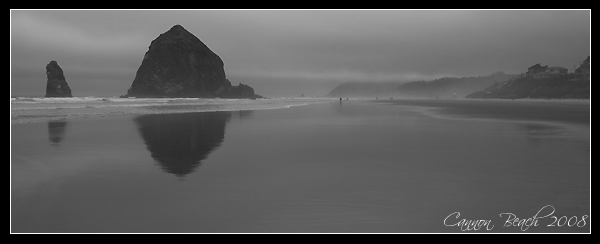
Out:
{"x": 179, "y": 142}
{"x": 340, "y": 99}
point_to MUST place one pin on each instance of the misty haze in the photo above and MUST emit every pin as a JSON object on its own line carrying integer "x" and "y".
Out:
{"x": 300, "y": 121}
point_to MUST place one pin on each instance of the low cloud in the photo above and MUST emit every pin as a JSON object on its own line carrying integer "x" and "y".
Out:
{"x": 285, "y": 46}
{"x": 30, "y": 30}
{"x": 339, "y": 75}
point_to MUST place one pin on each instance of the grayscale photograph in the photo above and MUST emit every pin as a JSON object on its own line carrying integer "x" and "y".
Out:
{"x": 312, "y": 121}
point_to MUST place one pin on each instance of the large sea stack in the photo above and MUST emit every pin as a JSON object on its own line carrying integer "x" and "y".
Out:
{"x": 56, "y": 86}
{"x": 178, "y": 64}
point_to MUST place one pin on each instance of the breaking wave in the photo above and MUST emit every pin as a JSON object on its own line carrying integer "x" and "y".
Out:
{"x": 35, "y": 109}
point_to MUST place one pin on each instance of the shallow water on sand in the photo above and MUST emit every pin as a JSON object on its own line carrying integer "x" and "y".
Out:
{"x": 335, "y": 167}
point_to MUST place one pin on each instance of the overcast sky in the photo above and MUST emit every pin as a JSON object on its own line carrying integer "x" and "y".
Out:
{"x": 289, "y": 52}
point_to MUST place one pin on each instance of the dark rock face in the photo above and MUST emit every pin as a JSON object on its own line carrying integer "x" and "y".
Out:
{"x": 56, "y": 85}
{"x": 240, "y": 91}
{"x": 178, "y": 64}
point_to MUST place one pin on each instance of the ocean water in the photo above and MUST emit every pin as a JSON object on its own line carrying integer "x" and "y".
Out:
{"x": 37, "y": 109}
{"x": 325, "y": 167}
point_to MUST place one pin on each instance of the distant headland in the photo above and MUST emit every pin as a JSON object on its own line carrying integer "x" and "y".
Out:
{"x": 543, "y": 82}
{"x": 444, "y": 87}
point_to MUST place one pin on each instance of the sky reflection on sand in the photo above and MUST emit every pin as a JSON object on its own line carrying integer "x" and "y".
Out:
{"x": 354, "y": 167}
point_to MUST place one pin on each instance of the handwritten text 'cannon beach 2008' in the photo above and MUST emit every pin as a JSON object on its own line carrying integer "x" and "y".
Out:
{"x": 511, "y": 220}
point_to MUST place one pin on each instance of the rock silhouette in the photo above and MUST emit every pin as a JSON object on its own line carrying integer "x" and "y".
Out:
{"x": 178, "y": 64}
{"x": 179, "y": 142}
{"x": 56, "y": 86}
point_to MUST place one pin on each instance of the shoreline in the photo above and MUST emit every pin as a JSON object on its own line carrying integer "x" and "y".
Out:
{"x": 553, "y": 111}
{"x": 32, "y": 111}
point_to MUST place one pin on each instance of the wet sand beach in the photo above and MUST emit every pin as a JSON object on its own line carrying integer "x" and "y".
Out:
{"x": 562, "y": 111}
{"x": 339, "y": 167}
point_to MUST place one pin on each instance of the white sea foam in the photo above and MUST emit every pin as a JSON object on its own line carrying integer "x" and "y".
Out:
{"x": 35, "y": 109}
